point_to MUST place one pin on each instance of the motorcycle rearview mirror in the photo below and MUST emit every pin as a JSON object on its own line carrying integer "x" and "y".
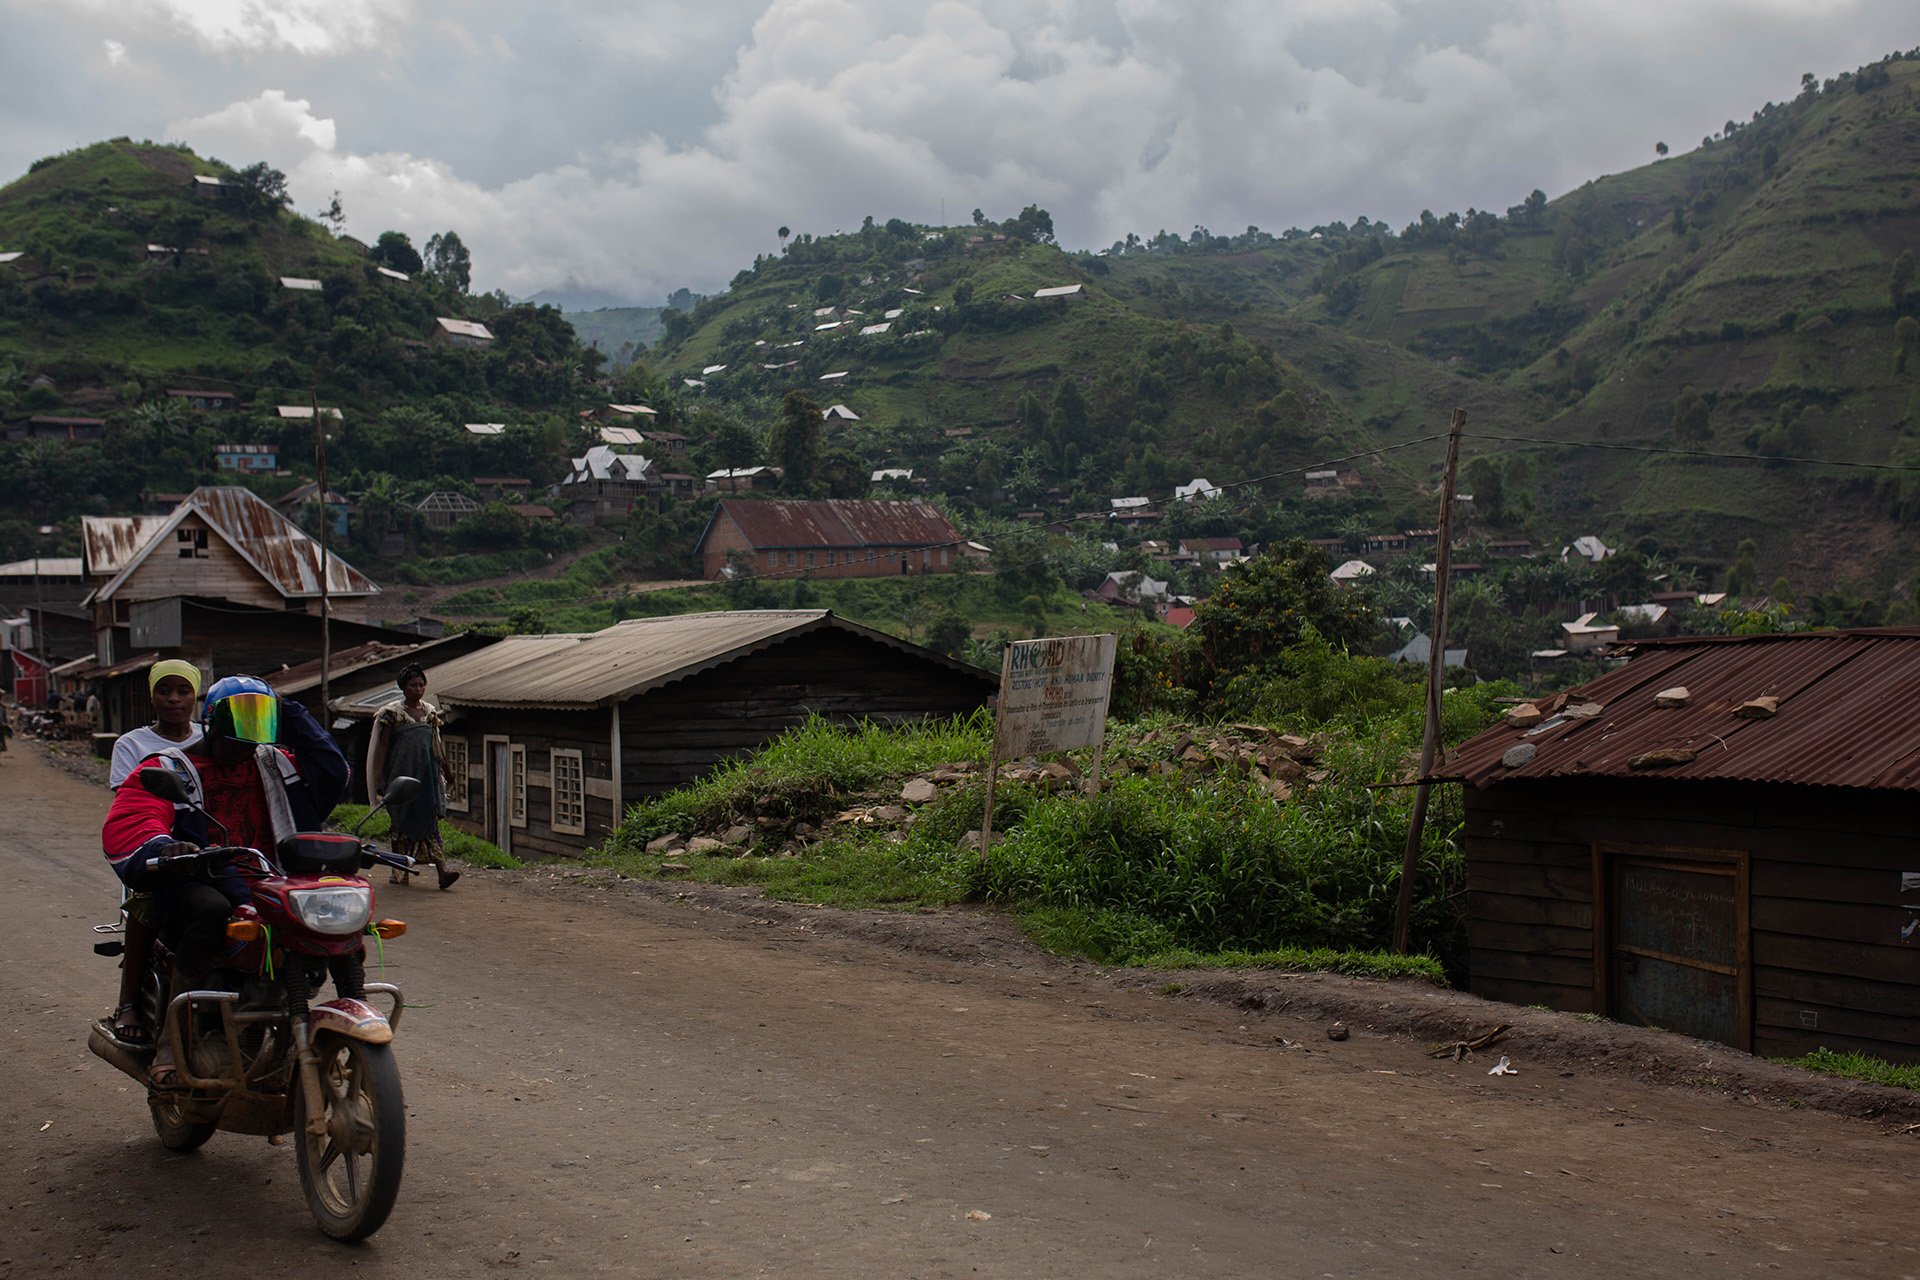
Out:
{"x": 165, "y": 784}
{"x": 399, "y": 791}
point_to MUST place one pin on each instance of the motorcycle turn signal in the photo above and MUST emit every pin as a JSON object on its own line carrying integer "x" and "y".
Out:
{"x": 389, "y": 928}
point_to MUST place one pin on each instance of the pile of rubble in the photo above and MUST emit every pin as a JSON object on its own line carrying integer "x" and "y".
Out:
{"x": 1276, "y": 762}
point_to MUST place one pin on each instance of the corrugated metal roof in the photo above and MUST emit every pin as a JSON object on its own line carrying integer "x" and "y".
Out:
{"x": 841, "y": 522}
{"x": 576, "y": 672}
{"x": 282, "y": 554}
{"x": 1846, "y": 717}
{"x": 108, "y": 542}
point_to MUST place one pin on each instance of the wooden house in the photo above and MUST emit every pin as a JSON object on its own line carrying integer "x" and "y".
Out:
{"x": 551, "y": 737}
{"x": 222, "y": 544}
{"x": 1739, "y": 864}
{"x": 831, "y": 538}
{"x": 449, "y": 332}
{"x": 605, "y": 485}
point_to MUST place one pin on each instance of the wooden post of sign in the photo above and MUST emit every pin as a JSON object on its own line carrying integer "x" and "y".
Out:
{"x": 1436, "y": 666}
{"x": 993, "y": 756}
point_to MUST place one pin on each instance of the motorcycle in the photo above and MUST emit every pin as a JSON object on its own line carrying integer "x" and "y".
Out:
{"x": 253, "y": 1053}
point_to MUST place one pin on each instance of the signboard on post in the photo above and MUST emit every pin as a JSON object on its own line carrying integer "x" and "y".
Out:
{"x": 1053, "y": 697}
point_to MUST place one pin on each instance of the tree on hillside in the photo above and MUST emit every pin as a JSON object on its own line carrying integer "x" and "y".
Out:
{"x": 1660, "y": 148}
{"x": 1535, "y": 206}
{"x": 263, "y": 189}
{"x": 448, "y": 262}
{"x": 1691, "y": 416}
{"x": 1266, "y": 606}
{"x": 394, "y": 250}
{"x": 333, "y": 215}
{"x": 795, "y": 443}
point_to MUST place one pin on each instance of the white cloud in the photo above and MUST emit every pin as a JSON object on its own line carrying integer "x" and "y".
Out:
{"x": 311, "y": 27}
{"x": 116, "y": 52}
{"x": 1130, "y": 115}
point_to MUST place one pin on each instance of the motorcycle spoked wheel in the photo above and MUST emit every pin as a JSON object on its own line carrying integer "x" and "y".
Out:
{"x": 351, "y": 1173}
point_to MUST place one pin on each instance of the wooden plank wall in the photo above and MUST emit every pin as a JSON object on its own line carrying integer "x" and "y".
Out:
{"x": 674, "y": 735}
{"x": 540, "y": 732}
{"x": 1825, "y": 872}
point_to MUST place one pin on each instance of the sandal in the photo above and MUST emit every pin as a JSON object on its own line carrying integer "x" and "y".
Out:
{"x": 130, "y": 1027}
{"x": 447, "y": 878}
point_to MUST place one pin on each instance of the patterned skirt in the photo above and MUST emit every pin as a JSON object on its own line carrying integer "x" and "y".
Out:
{"x": 425, "y": 851}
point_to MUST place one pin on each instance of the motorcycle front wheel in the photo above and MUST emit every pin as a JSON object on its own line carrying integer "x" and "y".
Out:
{"x": 351, "y": 1172}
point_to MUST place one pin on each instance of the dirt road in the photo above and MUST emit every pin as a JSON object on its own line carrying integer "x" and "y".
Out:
{"x": 604, "y": 1084}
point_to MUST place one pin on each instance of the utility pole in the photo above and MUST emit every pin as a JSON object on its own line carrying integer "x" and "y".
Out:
{"x": 326, "y": 538}
{"x": 1436, "y": 666}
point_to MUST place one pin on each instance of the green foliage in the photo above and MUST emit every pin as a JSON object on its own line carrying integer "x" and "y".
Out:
{"x": 1860, "y": 1066}
{"x": 1264, "y": 607}
{"x": 808, "y": 773}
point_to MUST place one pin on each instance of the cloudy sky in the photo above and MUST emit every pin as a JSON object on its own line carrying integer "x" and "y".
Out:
{"x": 633, "y": 146}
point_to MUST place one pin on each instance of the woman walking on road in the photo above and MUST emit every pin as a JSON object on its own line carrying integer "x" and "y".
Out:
{"x": 406, "y": 744}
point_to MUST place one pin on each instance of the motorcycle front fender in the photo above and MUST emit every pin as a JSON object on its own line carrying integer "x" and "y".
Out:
{"x": 355, "y": 1019}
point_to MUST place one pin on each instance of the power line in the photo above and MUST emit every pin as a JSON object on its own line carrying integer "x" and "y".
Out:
{"x": 1696, "y": 453}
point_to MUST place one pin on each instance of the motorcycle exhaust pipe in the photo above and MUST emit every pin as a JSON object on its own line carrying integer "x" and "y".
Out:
{"x": 114, "y": 1053}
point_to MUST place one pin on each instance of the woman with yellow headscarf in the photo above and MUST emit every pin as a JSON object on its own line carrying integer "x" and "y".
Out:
{"x": 173, "y": 687}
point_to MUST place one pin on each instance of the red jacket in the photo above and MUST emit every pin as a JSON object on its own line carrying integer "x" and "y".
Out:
{"x": 233, "y": 794}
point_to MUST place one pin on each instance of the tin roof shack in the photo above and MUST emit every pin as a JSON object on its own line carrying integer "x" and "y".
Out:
{"x": 831, "y": 538}
{"x": 1716, "y": 838}
{"x": 539, "y": 722}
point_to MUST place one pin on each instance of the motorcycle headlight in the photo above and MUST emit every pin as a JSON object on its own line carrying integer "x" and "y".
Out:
{"x": 341, "y": 910}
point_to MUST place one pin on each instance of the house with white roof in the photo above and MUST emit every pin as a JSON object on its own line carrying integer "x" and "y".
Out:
{"x": 300, "y": 283}
{"x": 606, "y": 485}
{"x": 1059, "y": 291}
{"x": 1588, "y": 548}
{"x": 1198, "y": 487}
{"x": 841, "y": 413}
{"x": 1352, "y": 572}
{"x": 1584, "y": 634}
{"x": 460, "y": 333}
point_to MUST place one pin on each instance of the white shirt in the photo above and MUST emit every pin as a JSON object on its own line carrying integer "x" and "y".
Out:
{"x": 136, "y": 745}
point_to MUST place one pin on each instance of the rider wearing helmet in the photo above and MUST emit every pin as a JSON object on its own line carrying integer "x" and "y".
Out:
{"x": 262, "y": 770}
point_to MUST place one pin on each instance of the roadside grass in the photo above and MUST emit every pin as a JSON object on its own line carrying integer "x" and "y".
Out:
{"x": 469, "y": 849}
{"x": 1159, "y": 869}
{"x": 1859, "y": 1066}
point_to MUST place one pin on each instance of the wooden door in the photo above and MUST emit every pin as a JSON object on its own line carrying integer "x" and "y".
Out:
{"x": 499, "y": 798}
{"x": 1676, "y": 940}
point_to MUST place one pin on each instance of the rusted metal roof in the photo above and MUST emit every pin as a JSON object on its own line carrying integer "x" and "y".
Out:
{"x": 1847, "y": 715}
{"x": 576, "y": 672}
{"x": 306, "y": 675}
{"x": 277, "y": 549}
{"x": 840, "y": 522}
{"x": 109, "y": 542}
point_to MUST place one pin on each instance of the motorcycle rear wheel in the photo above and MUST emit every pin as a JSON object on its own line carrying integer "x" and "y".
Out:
{"x": 177, "y": 1133}
{"x": 351, "y": 1173}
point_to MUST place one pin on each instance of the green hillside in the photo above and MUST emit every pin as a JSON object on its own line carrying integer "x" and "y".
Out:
{"x": 1756, "y": 296}
{"x": 130, "y": 283}
{"x": 1751, "y": 281}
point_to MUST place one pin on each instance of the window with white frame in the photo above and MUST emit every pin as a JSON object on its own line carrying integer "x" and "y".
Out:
{"x": 456, "y": 749}
{"x": 517, "y": 786}
{"x": 569, "y": 793}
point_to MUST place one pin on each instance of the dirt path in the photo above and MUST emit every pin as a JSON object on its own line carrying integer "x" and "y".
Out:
{"x": 607, "y": 1083}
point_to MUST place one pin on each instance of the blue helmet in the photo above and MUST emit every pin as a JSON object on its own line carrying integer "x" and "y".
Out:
{"x": 242, "y": 708}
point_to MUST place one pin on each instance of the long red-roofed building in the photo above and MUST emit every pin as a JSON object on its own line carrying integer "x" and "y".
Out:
{"x": 831, "y": 538}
